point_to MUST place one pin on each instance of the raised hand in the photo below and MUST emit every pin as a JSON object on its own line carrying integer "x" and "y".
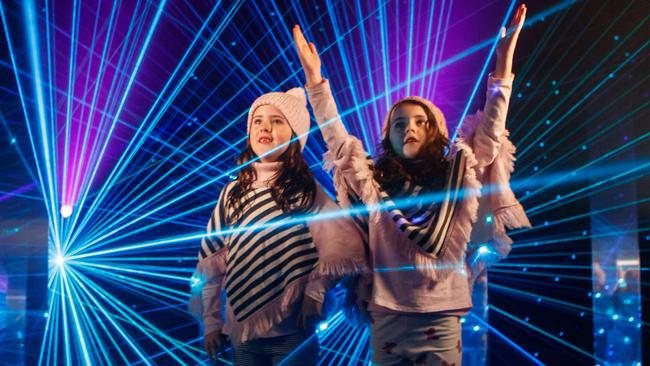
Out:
{"x": 214, "y": 343}
{"x": 309, "y": 58}
{"x": 506, "y": 47}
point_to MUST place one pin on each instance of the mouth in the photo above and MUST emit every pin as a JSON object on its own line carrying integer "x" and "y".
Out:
{"x": 410, "y": 140}
{"x": 264, "y": 140}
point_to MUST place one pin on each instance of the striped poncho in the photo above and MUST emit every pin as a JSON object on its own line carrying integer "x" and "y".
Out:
{"x": 266, "y": 251}
{"x": 266, "y": 259}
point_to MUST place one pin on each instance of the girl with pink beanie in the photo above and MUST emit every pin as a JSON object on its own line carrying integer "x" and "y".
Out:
{"x": 273, "y": 266}
{"x": 423, "y": 195}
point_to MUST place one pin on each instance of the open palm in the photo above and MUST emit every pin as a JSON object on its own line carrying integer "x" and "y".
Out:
{"x": 308, "y": 55}
{"x": 506, "y": 47}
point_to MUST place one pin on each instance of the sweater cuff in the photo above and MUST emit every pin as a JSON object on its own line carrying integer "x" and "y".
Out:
{"x": 318, "y": 90}
{"x": 212, "y": 318}
{"x": 500, "y": 81}
{"x": 209, "y": 325}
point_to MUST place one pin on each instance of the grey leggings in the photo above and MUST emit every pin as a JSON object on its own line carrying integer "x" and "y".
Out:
{"x": 297, "y": 349}
{"x": 415, "y": 339}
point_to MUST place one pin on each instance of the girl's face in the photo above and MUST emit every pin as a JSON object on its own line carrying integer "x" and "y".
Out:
{"x": 409, "y": 130}
{"x": 269, "y": 129}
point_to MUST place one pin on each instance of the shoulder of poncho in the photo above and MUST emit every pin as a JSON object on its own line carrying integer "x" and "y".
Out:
{"x": 469, "y": 125}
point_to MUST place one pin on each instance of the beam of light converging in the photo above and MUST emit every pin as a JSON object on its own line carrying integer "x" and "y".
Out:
{"x": 147, "y": 328}
{"x": 122, "y": 102}
{"x": 363, "y": 209}
{"x": 124, "y": 159}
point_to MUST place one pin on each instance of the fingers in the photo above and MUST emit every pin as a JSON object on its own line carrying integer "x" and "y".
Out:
{"x": 516, "y": 24}
{"x": 312, "y": 47}
{"x": 214, "y": 345}
{"x": 298, "y": 37}
{"x": 518, "y": 21}
{"x": 522, "y": 18}
{"x": 210, "y": 349}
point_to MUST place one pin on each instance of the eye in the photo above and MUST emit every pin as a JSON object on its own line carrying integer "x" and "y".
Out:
{"x": 278, "y": 121}
{"x": 399, "y": 125}
{"x": 257, "y": 121}
{"x": 421, "y": 122}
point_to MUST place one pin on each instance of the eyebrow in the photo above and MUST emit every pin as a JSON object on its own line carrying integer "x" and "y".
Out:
{"x": 272, "y": 116}
{"x": 402, "y": 118}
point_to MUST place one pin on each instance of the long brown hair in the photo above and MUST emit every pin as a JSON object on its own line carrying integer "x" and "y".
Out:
{"x": 293, "y": 187}
{"x": 430, "y": 166}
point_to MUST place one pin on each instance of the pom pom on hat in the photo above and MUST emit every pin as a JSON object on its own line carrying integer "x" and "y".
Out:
{"x": 298, "y": 93}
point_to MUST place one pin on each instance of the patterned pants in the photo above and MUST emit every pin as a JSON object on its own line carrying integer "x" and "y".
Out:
{"x": 415, "y": 339}
{"x": 297, "y": 349}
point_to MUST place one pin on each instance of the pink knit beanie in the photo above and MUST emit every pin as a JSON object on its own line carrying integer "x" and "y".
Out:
{"x": 437, "y": 114}
{"x": 292, "y": 104}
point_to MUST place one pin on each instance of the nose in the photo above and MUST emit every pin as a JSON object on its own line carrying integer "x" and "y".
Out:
{"x": 410, "y": 126}
{"x": 265, "y": 126}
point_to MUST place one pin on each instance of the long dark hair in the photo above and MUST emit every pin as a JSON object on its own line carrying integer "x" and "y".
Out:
{"x": 428, "y": 168}
{"x": 293, "y": 187}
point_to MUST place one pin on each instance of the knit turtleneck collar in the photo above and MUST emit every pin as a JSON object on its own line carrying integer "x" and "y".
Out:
{"x": 265, "y": 171}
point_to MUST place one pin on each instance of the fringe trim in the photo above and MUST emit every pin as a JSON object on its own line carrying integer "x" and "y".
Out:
{"x": 339, "y": 269}
{"x": 353, "y": 150}
{"x": 328, "y": 161}
{"x": 276, "y": 311}
{"x": 512, "y": 217}
{"x": 508, "y": 149}
{"x": 340, "y": 186}
{"x": 271, "y": 314}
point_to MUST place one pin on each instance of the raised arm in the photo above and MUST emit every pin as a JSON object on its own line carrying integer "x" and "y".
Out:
{"x": 320, "y": 94}
{"x": 346, "y": 154}
{"x": 487, "y": 139}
